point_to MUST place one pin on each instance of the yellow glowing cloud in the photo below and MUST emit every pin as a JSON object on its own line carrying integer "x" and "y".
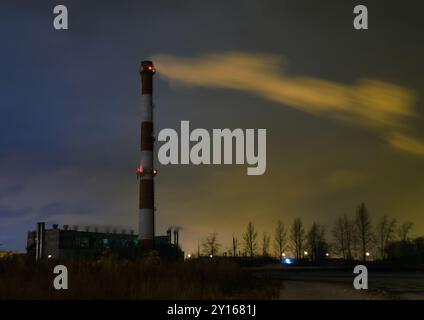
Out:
{"x": 407, "y": 143}
{"x": 371, "y": 103}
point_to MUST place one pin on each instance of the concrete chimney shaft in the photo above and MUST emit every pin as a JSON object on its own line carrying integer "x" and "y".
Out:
{"x": 146, "y": 170}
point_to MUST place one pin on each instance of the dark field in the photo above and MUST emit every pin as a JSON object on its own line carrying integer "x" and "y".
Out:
{"x": 149, "y": 279}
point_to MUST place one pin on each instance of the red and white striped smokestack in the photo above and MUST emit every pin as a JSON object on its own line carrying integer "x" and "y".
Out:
{"x": 146, "y": 171}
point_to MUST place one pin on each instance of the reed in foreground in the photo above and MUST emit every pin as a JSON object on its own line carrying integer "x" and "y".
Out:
{"x": 114, "y": 279}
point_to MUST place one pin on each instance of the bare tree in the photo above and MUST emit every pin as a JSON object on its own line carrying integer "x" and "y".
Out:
{"x": 266, "y": 239}
{"x": 364, "y": 230}
{"x": 344, "y": 235}
{"x": 250, "y": 240}
{"x": 404, "y": 230}
{"x": 340, "y": 237}
{"x": 297, "y": 237}
{"x": 211, "y": 245}
{"x": 385, "y": 231}
{"x": 280, "y": 239}
{"x": 316, "y": 242}
{"x": 355, "y": 245}
{"x": 235, "y": 246}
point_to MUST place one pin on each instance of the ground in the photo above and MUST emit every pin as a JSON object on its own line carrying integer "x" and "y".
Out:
{"x": 335, "y": 284}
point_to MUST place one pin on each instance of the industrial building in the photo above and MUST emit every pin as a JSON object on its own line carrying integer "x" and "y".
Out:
{"x": 66, "y": 243}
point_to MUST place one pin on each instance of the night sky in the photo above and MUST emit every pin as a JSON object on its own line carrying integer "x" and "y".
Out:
{"x": 343, "y": 110}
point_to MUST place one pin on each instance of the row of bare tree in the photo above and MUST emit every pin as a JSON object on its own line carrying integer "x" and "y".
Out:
{"x": 353, "y": 238}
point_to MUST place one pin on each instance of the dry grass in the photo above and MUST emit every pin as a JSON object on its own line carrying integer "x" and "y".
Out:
{"x": 149, "y": 279}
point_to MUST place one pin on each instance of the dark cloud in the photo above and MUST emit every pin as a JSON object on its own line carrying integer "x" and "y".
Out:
{"x": 69, "y": 116}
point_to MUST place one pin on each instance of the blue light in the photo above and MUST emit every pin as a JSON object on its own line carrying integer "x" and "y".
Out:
{"x": 287, "y": 261}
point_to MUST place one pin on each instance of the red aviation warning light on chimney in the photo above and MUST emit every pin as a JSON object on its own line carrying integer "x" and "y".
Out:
{"x": 140, "y": 171}
{"x": 146, "y": 171}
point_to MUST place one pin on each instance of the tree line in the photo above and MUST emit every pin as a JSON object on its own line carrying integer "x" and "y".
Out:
{"x": 354, "y": 237}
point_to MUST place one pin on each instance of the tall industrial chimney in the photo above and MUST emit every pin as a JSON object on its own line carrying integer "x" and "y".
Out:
{"x": 176, "y": 240}
{"x": 39, "y": 249}
{"x": 145, "y": 171}
{"x": 169, "y": 235}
